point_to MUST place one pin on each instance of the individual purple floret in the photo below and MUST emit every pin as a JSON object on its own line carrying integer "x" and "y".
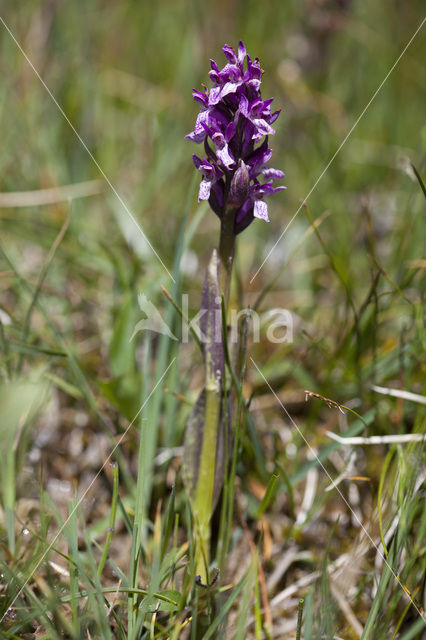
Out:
{"x": 232, "y": 122}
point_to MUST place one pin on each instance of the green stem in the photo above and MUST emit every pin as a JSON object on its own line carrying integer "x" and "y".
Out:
{"x": 226, "y": 253}
{"x": 300, "y": 619}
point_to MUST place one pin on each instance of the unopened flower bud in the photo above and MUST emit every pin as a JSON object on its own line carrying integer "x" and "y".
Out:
{"x": 240, "y": 183}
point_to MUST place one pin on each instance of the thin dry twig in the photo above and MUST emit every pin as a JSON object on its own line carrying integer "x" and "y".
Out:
{"x": 291, "y": 556}
{"x": 399, "y": 439}
{"x": 310, "y": 491}
{"x": 400, "y": 393}
{"x": 51, "y": 196}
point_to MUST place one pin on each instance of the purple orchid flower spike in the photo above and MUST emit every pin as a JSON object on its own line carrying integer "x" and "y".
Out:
{"x": 234, "y": 124}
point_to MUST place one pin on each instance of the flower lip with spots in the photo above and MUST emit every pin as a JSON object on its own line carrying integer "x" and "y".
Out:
{"x": 234, "y": 124}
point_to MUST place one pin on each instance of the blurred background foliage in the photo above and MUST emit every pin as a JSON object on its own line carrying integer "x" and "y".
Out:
{"x": 123, "y": 73}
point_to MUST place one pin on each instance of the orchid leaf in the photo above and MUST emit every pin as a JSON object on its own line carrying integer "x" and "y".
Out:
{"x": 211, "y": 325}
{"x": 193, "y": 445}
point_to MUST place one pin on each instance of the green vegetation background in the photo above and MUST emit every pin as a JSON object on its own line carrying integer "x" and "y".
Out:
{"x": 123, "y": 73}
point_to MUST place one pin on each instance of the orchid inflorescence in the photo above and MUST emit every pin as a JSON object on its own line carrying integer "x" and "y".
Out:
{"x": 234, "y": 118}
{"x": 234, "y": 123}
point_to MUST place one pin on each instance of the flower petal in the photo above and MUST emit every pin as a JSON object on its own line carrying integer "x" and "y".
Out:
{"x": 254, "y": 84}
{"x": 260, "y": 210}
{"x": 230, "y": 131}
{"x": 263, "y": 128}
{"x": 242, "y": 53}
{"x": 214, "y": 66}
{"x": 197, "y": 161}
{"x": 204, "y": 192}
{"x": 274, "y": 116}
{"x": 218, "y": 93}
{"x": 244, "y": 106}
{"x": 229, "y": 53}
{"x": 276, "y": 174}
{"x": 222, "y": 150}
{"x": 199, "y": 132}
{"x": 200, "y": 97}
